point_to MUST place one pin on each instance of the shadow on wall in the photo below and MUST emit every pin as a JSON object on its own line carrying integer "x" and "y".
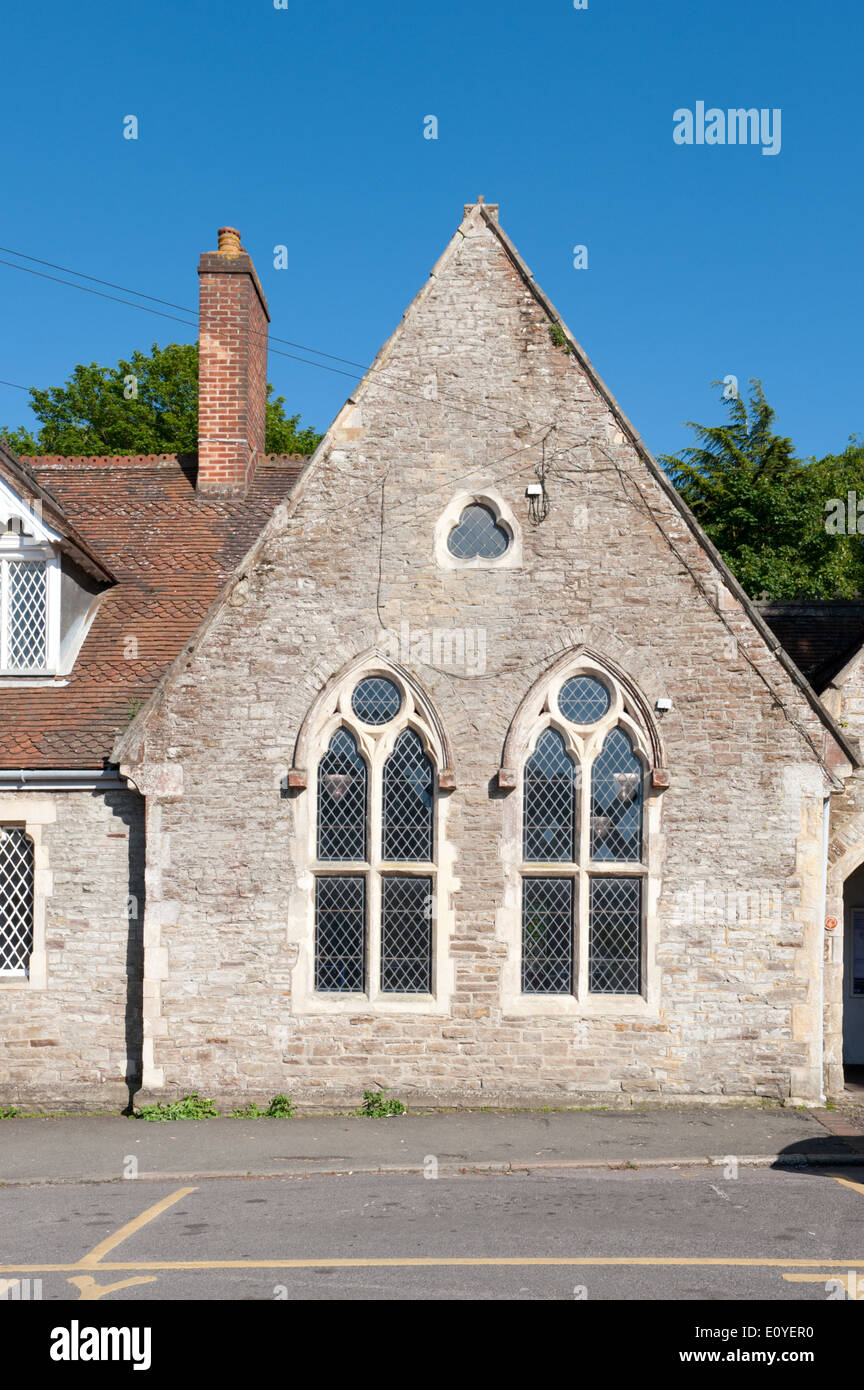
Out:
{"x": 130, "y": 810}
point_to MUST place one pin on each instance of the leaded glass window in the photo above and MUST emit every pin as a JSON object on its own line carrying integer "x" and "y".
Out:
{"x": 616, "y": 800}
{"x": 614, "y": 951}
{"x": 375, "y": 811}
{"x": 23, "y": 615}
{"x": 583, "y": 700}
{"x": 549, "y": 801}
{"x": 376, "y": 700}
{"x": 477, "y": 535}
{"x": 408, "y": 789}
{"x": 406, "y": 935}
{"x": 342, "y": 800}
{"x": 547, "y": 936}
{"x": 16, "y": 900}
{"x": 340, "y": 934}
{"x": 582, "y": 811}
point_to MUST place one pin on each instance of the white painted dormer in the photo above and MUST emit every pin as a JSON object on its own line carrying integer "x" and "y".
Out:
{"x": 29, "y": 589}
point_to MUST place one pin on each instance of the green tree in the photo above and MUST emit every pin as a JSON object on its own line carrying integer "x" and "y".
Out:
{"x": 148, "y": 405}
{"x": 765, "y": 509}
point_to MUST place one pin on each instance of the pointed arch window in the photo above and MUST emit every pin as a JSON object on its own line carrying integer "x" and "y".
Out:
{"x": 408, "y": 790}
{"x": 550, "y": 810}
{"x": 376, "y": 816}
{"x": 616, "y": 800}
{"x": 583, "y": 850}
{"x": 342, "y": 800}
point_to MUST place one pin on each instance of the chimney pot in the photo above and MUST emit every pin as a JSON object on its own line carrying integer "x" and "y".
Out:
{"x": 229, "y": 242}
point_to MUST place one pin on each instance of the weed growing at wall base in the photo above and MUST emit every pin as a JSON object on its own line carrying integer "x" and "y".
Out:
{"x": 375, "y": 1107}
{"x": 191, "y": 1107}
{"x": 279, "y": 1108}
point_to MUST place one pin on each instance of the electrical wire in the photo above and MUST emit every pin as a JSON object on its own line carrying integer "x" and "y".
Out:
{"x": 364, "y": 370}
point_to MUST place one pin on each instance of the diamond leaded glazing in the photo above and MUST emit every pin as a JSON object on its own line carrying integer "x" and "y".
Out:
{"x": 477, "y": 535}
{"x": 27, "y": 620}
{"x": 408, "y": 801}
{"x": 614, "y": 936}
{"x": 616, "y": 801}
{"x": 376, "y": 700}
{"x": 547, "y": 935}
{"x": 16, "y": 899}
{"x": 340, "y": 934}
{"x": 406, "y": 935}
{"x": 342, "y": 800}
{"x": 549, "y": 804}
{"x": 583, "y": 700}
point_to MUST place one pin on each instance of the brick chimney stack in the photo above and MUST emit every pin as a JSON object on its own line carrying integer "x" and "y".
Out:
{"x": 232, "y": 368}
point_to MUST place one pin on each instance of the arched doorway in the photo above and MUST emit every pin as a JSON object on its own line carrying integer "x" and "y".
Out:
{"x": 853, "y": 978}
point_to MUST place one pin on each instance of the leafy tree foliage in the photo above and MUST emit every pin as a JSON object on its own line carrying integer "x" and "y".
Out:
{"x": 148, "y": 405}
{"x": 766, "y": 510}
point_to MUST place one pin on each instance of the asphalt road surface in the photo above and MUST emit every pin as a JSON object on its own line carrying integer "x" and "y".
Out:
{"x": 665, "y": 1234}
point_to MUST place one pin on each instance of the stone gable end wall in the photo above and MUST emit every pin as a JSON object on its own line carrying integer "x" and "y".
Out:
{"x": 475, "y": 385}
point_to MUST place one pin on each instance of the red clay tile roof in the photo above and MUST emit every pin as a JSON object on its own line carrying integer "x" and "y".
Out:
{"x": 170, "y": 551}
{"x": 19, "y": 474}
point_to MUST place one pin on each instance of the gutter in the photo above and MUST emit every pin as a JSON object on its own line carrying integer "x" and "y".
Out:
{"x": 46, "y": 779}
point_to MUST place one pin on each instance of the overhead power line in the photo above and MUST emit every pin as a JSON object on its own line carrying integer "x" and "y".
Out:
{"x": 467, "y": 407}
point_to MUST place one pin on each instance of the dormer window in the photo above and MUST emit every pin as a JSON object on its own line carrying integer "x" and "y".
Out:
{"x": 29, "y": 603}
{"x": 24, "y": 624}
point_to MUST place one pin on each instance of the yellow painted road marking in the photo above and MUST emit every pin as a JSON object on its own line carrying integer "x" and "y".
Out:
{"x": 847, "y": 1182}
{"x": 94, "y": 1257}
{"x": 428, "y": 1262}
{"x": 91, "y": 1291}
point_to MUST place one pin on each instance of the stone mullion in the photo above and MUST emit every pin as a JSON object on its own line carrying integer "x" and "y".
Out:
{"x": 374, "y": 890}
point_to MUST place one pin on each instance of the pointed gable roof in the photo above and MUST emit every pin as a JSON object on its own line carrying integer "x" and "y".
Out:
{"x": 167, "y": 552}
{"x": 48, "y": 515}
{"x": 838, "y": 752}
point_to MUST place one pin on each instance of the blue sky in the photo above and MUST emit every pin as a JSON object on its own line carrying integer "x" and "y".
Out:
{"x": 304, "y": 127}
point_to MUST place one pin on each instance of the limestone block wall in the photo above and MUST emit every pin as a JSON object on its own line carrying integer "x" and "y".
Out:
{"x": 70, "y": 1035}
{"x": 473, "y": 396}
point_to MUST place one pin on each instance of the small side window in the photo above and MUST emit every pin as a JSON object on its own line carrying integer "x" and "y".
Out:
{"x": 17, "y": 881}
{"x": 477, "y": 535}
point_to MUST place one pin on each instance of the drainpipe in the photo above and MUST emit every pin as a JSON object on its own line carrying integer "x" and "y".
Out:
{"x": 826, "y": 832}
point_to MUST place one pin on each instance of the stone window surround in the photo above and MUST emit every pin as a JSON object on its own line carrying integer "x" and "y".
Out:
{"x": 32, "y": 814}
{"x": 330, "y": 712}
{"x": 504, "y": 517}
{"x": 537, "y": 713}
